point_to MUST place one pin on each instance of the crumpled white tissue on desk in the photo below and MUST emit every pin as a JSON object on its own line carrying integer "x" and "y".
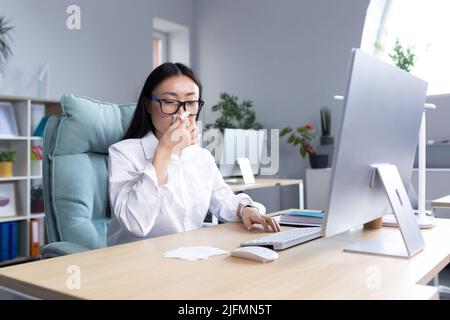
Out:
{"x": 194, "y": 253}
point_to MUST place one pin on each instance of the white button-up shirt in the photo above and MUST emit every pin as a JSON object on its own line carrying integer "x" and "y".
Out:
{"x": 142, "y": 209}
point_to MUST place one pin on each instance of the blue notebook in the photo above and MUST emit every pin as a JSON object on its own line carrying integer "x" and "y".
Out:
{"x": 13, "y": 236}
{"x": 313, "y": 218}
{"x": 308, "y": 213}
{"x": 4, "y": 241}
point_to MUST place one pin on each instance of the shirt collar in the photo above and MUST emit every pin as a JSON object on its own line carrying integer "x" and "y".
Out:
{"x": 149, "y": 143}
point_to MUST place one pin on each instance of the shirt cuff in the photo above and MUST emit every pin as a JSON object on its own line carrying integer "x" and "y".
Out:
{"x": 250, "y": 203}
{"x": 247, "y": 201}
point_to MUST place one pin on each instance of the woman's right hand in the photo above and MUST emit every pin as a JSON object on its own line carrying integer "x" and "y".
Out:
{"x": 180, "y": 135}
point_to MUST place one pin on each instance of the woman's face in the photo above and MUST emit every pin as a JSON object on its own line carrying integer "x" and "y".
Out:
{"x": 180, "y": 88}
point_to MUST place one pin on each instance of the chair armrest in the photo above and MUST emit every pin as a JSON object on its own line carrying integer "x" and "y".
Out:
{"x": 56, "y": 249}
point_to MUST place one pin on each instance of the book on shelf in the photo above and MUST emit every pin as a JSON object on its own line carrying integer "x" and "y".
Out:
{"x": 39, "y": 131}
{"x": 42, "y": 233}
{"x": 35, "y": 238}
{"x": 8, "y": 240}
{"x": 4, "y": 241}
{"x": 309, "y": 218}
{"x": 13, "y": 239}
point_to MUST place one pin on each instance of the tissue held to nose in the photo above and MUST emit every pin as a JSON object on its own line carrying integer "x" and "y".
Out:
{"x": 183, "y": 116}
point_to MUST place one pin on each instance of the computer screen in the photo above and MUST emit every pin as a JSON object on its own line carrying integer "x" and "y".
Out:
{"x": 383, "y": 108}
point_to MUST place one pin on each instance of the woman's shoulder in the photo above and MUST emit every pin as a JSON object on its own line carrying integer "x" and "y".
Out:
{"x": 125, "y": 146}
{"x": 205, "y": 155}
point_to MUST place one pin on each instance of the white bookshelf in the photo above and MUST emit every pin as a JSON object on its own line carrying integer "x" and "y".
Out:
{"x": 23, "y": 178}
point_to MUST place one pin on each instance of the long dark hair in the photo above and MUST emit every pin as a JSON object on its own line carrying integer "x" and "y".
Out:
{"x": 141, "y": 123}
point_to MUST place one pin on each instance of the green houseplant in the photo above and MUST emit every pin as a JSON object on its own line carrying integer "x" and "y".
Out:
{"x": 37, "y": 199}
{"x": 303, "y": 138}
{"x": 7, "y": 159}
{"x": 325, "y": 121}
{"x": 5, "y": 48}
{"x": 403, "y": 58}
{"x": 234, "y": 115}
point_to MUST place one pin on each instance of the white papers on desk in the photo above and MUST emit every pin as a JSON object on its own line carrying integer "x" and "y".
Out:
{"x": 194, "y": 253}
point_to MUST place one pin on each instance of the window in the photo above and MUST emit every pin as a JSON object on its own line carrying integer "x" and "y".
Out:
{"x": 160, "y": 52}
{"x": 422, "y": 25}
{"x": 170, "y": 42}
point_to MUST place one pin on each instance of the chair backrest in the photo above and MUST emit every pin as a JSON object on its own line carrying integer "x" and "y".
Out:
{"x": 75, "y": 171}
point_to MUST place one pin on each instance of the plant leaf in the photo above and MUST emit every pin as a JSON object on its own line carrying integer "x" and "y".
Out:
{"x": 285, "y": 131}
{"x": 302, "y": 152}
{"x": 297, "y": 141}
{"x": 291, "y": 138}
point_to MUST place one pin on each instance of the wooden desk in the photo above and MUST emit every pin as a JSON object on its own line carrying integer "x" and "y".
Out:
{"x": 443, "y": 202}
{"x": 315, "y": 270}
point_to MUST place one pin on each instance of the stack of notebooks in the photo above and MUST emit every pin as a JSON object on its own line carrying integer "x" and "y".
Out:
{"x": 308, "y": 218}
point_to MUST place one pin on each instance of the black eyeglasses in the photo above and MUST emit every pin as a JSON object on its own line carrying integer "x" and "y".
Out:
{"x": 171, "y": 106}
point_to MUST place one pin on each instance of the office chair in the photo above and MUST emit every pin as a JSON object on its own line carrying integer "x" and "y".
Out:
{"x": 75, "y": 173}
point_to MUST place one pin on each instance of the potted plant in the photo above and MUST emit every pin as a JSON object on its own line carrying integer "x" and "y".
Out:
{"x": 37, "y": 199}
{"x": 403, "y": 58}
{"x": 5, "y": 49}
{"x": 234, "y": 115}
{"x": 303, "y": 137}
{"x": 325, "y": 121}
{"x": 7, "y": 159}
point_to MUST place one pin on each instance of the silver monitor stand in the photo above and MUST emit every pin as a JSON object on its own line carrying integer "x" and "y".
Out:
{"x": 398, "y": 198}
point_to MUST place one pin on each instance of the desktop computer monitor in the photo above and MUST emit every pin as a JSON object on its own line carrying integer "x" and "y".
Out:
{"x": 240, "y": 143}
{"x": 382, "y": 114}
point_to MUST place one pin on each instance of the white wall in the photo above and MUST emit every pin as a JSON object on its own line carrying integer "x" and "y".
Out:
{"x": 438, "y": 121}
{"x": 108, "y": 59}
{"x": 288, "y": 56}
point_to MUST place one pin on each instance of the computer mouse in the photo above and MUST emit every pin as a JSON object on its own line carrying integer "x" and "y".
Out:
{"x": 255, "y": 253}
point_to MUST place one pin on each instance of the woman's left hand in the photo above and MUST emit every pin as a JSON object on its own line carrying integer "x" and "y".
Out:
{"x": 251, "y": 216}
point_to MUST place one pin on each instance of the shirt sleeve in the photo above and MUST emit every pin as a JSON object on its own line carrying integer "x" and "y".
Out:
{"x": 135, "y": 196}
{"x": 224, "y": 203}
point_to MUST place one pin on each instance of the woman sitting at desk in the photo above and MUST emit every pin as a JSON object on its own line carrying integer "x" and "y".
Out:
{"x": 160, "y": 180}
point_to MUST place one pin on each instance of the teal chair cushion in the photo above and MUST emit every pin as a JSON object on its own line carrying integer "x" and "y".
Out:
{"x": 75, "y": 170}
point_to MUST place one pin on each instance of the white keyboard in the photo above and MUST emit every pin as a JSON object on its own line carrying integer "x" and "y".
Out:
{"x": 285, "y": 239}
